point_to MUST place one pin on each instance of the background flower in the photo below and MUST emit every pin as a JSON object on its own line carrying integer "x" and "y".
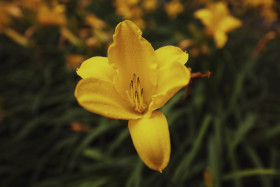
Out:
{"x": 218, "y": 21}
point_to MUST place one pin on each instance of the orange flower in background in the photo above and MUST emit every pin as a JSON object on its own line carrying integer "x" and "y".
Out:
{"x": 130, "y": 9}
{"x": 131, "y": 84}
{"x": 32, "y": 4}
{"x": 195, "y": 49}
{"x": 92, "y": 42}
{"x": 266, "y": 7}
{"x": 54, "y": 15}
{"x": 70, "y": 36}
{"x": 8, "y": 10}
{"x": 16, "y": 36}
{"x": 150, "y": 5}
{"x": 93, "y": 21}
{"x": 123, "y": 8}
{"x": 135, "y": 9}
{"x": 218, "y": 21}
{"x": 174, "y": 8}
{"x": 79, "y": 127}
{"x": 269, "y": 14}
{"x": 74, "y": 60}
{"x": 97, "y": 35}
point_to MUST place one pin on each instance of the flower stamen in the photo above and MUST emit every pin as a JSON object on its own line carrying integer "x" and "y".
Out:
{"x": 136, "y": 94}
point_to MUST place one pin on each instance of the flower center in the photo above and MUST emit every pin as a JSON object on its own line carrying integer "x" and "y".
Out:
{"x": 135, "y": 94}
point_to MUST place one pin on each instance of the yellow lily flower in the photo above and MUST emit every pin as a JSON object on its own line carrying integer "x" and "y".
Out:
{"x": 133, "y": 82}
{"x": 130, "y": 9}
{"x": 150, "y": 5}
{"x": 54, "y": 15}
{"x": 174, "y": 8}
{"x": 218, "y": 21}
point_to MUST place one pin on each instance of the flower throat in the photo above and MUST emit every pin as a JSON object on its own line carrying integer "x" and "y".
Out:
{"x": 135, "y": 95}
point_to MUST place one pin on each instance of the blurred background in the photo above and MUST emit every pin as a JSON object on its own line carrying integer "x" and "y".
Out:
{"x": 226, "y": 132}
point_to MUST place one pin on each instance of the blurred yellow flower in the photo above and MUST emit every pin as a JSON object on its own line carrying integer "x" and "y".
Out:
{"x": 174, "y": 8}
{"x": 93, "y": 21}
{"x": 17, "y": 37}
{"x": 74, "y": 60}
{"x": 8, "y": 10}
{"x": 150, "y": 5}
{"x": 92, "y": 42}
{"x": 102, "y": 36}
{"x": 218, "y": 21}
{"x": 67, "y": 34}
{"x": 54, "y": 15}
{"x": 266, "y": 7}
{"x": 32, "y": 4}
{"x": 133, "y": 82}
{"x": 269, "y": 14}
{"x": 134, "y": 9}
{"x": 128, "y": 8}
{"x": 79, "y": 127}
{"x": 193, "y": 47}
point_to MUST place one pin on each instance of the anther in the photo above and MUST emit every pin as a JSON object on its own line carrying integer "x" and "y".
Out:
{"x": 136, "y": 102}
{"x": 141, "y": 98}
{"x": 136, "y": 96}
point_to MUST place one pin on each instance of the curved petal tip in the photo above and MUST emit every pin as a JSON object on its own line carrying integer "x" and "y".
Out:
{"x": 151, "y": 140}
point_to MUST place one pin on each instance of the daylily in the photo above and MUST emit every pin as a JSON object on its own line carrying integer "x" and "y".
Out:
{"x": 131, "y": 84}
{"x": 130, "y": 9}
{"x": 150, "y": 5}
{"x": 54, "y": 15}
{"x": 174, "y": 8}
{"x": 218, "y": 21}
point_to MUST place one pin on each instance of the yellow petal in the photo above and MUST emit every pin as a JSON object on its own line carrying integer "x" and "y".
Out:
{"x": 220, "y": 9}
{"x": 217, "y": 18}
{"x": 151, "y": 140}
{"x": 229, "y": 23}
{"x": 169, "y": 83}
{"x": 131, "y": 54}
{"x": 220, "y": 39}
{"x": 205, "y": 16}
{"x": 96, "y": 67}
{"x": 99, "y": 96}
{"x": 170, "y": 54}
